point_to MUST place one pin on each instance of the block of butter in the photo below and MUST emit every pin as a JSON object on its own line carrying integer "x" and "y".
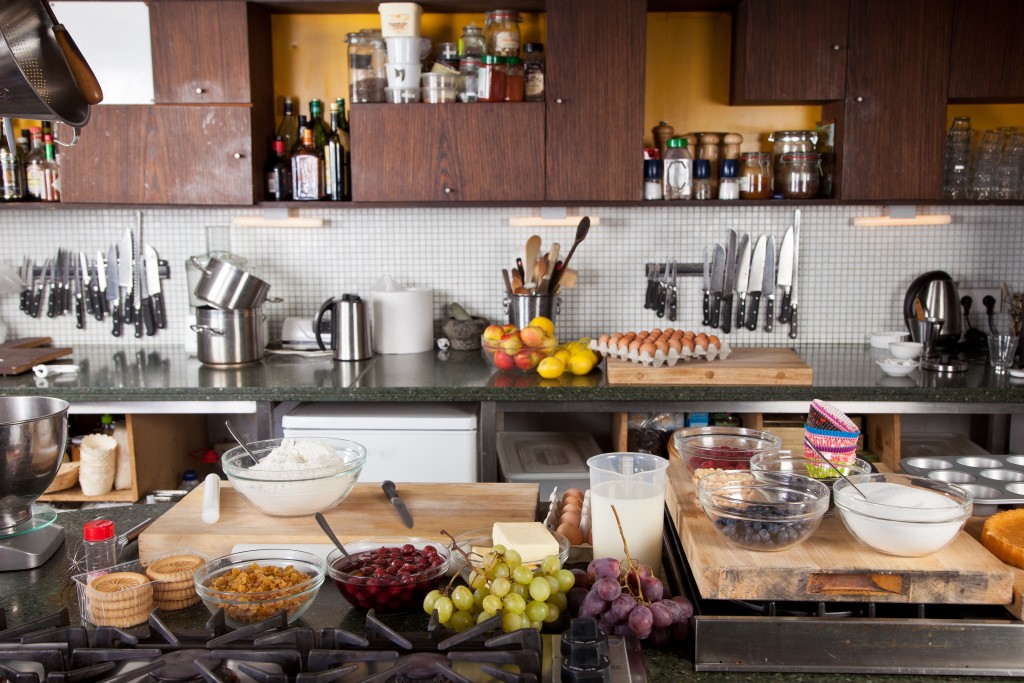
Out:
{"x": 531, "y": 540}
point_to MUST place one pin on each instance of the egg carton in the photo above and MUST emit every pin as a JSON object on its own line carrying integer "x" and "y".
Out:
{"x": 577, "y": 552}
{"x": 709, "y": 353}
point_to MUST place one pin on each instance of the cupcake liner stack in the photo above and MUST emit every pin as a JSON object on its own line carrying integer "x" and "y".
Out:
{"x": 833, "y": 433}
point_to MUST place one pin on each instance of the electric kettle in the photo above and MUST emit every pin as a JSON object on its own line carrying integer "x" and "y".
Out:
{"x": 934, "y": 295}
{"x": 350, "y": 328}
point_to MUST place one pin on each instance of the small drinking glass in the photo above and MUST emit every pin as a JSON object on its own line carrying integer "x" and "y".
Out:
{"x": 1001, "y": 348}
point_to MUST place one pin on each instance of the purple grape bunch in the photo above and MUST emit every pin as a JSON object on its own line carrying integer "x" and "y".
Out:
{"x": 629, "y": 600}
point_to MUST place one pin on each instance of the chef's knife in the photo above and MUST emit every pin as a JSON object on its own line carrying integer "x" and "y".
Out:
{"x": 125, "y": 279}
{"x": 137, "y": 294}
{"x": 77, "y": 287}
{"x": 672, "y": 294}
{"x": 25, "y": 302}
{"x": 37, "y": 291}
{"x": 796, "y": 269}
{"x": 85, "y": 280}
{"x": 53, "y": 295}
{"x": 730, "y": 283}
{"x": 65, "y": 282}
{"x": 389, "y": 490}
{"x": 651, "y": 294}
{"x": 785, "y": 272}
{"x": 114, "y": 291}
{"x": 756, "y": 280}
{"x": 152, "y": 262}
{"x": 742, "y": 279}
{"x": 663, "y": 291}
{"x": 768, "y": 285}
{"x": 705, "y": 287}
{"x": 717, "y": 283}
{"x": 99, "y": 280}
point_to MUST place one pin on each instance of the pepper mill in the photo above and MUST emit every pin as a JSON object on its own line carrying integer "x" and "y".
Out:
{"x": 707, "y": 148}
{"x": 662, "y": 134}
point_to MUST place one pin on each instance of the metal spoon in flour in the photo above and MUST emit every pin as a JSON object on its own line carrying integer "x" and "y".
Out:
{"x": 234, "y": 435}
{"x": 832, "y": 465}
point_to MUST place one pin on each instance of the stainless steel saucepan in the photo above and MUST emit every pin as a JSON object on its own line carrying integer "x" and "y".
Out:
{"x": 229, "y": 338}
{"x": 225, "y": 286}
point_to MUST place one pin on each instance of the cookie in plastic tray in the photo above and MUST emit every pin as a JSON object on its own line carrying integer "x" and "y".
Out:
{"x": 662, "y": 347}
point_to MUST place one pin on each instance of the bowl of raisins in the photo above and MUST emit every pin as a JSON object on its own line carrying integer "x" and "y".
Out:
{"x": 759, "y": 514}
{"x": 722, "y": 448}
{"x": 389, "y": 574}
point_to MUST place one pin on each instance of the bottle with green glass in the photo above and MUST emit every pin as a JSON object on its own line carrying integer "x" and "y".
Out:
{"x": 316, "y": 123}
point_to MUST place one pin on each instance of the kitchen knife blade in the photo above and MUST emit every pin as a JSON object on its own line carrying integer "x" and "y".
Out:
{"x": 99, "y": 286}
{"x": 651, "y": 293}
{"x": 768, "y": 286}
{"x": 37, "y": 290}
{"x": 148, "y": 319}
{"x": 125, "y": 278}
{"x": 152, "y": 262}
{"x": 672, "y": 294}
{"x": 754, "y": 281}
{"x": 25, "y": 302}
{"x": 53, "y": 293}
{"x": 137, "y": 294}
{"x": 742, "y": 279}
{"x": 85, "y": 279}
{"x": 65, "y": 283}
{"x": 391, "y": 492}
{"x": 705, "y": 287}
{"x": 663, "y": 291}
{"x": 717, "y": 283}
{"x": 114, "y": 291}
{"x": 785, "y": 278}
{"x": 77, "y": 292}
{"x": 796, "y": 270}
{"x": 730, "y": 282}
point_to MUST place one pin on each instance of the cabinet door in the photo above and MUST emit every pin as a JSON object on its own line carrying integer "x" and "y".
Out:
{"x": 891, "y": 126}
{"x": 447, "y": 152}
{"x": 985, "y": 34}
{"x": 595, "y": 99}
{"x": 202, "y": 51}
{"x": 789, "y": 51}
{"x": 162, "y": 155}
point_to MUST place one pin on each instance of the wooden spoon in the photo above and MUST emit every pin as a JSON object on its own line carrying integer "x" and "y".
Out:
{"x": 532, "y": 251}
{"x": 581, "y": 233}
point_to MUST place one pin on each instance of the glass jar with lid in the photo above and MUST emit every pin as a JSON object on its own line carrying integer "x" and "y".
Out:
{"x": 501, "y": 31}
{"x": 471, "y": 44}
{"x": 755, "y": 175}
{"x": 785, "y": 141}
{"x": 366, "y": 76}
{"x": 799, "y": 175}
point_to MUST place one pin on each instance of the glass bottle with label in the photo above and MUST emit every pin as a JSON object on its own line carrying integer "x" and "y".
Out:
{"x": 490, "y": 81}
{"x": 34, "y": 161}
{"x": 288, "y": 129}
{"x": 12, "y": 167}
{"x": 337, "y": 159}
{"x": 51, "y": 172}
{"x": 514, "y": 86}
{"x": 316, "y": 123}
{"x": 533, "y": 67}
{"x": 278, "y": 173}
{"x": 307, "y": 170}
{"x": 501, "y": 30}
{"x": 677, "y": 171}
{"x": 755, "y": 175}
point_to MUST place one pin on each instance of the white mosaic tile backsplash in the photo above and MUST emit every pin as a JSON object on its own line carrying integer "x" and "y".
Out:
{"x": 852, "y": 278}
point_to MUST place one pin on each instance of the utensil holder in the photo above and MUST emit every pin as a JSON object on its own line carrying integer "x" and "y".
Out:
{"x": 522, "y": 308}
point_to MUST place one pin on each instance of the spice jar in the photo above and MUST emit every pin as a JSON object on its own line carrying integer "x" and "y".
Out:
{"x": 702, "y": 179}
{"x": 785, "y": 141}
{"x": 514, "y": 78}
{"x": 729, "y": 184}
{"x": 448, "y": 55}
{"x": 755, "y": 175}
{"x": 366, "y": 57}
{"x": 469, "y": 68}
{"x": 501, "y": 31}
{"x": 490, "y": 80}
{"x": 799, "y": 175}
{"x": 533, "y": 68}
{"x": 471, "y": 44}
{"x": 652, "y": 179}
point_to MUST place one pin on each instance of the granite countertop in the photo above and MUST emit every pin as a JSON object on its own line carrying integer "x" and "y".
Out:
{"x": 30, "y": 594}
{"x": 841, "y": 373}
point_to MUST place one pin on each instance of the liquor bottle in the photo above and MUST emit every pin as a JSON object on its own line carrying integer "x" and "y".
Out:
{"x": 34, "y": 162}
{"x": 342, "y": 118}
{"x": 289, "y": 128}
{"x": 298, "y": 136}
{"x": 337, "y": 159}
{"x": 12, "y": 168}
{"x": 51, "y": 172}
{"x": 278, "y": 173}
{"x": 307, "y": 170}
{"x": 316, "y": 122}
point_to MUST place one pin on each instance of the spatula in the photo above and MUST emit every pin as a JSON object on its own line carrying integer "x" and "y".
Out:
{"x": 532, "y": 251}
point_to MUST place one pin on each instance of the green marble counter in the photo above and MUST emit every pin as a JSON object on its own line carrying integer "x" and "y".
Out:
{"x": 29, "y": 594}
{"x": 841, "y": 373}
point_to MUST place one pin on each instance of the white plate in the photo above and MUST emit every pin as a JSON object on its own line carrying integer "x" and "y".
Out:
{"x": 1016, "y": 372}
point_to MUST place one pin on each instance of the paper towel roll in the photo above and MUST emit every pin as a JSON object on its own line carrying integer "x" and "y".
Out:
{"x": 403, "y": 321}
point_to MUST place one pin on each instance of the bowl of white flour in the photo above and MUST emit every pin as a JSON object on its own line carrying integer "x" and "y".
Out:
{"x": 295, "y": 477}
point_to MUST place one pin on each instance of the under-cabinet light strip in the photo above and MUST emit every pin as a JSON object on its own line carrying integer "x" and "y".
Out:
{"x": 542, "y": 222}
{"x": 925, "y": 219}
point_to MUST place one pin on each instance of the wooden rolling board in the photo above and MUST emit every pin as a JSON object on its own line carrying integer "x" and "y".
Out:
{"x": 1016, "y": 608}
{"x": 366, "y": 512}
{"x": 831, "y": 565}
{"x": 743, "y": 367}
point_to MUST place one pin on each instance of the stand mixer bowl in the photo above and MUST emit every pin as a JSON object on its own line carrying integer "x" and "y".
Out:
{"x": 33, "y": 434}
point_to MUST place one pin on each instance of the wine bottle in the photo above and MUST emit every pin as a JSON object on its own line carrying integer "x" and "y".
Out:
{"x": 278, "y": 173}
{"x": 288, "y": 130}
{"x": 337, "y": 159}
{"x": 307, "y": 170}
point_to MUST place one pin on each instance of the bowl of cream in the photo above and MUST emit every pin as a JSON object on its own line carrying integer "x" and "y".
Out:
{"x": 901, "y": 514}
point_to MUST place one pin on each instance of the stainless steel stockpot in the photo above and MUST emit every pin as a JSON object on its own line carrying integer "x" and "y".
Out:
{"x": 225, "y": 286}
{"x": 229, "y": 338}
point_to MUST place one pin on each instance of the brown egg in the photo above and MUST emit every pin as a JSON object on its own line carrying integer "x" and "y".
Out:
{"x": 569, "y": 518}
{"x": 614, "y": 339}
{"x": 688, "y": 344}
{"x": 649, "y": 348}
{"x": 571, "y": 507}
{"x": 603, "y": 340}
{"x": 661, "y": 345}
{"x": 676, "y": 344}
{"x": 571, "y": 532}
{"x": 572, "y": 501}
{"x": 656, "y": 332}
{"x": 689, "y": 334}
{"x": 575, "y": 493}
{"x": 713, "y": 340}
{"x": 635, "y": 345}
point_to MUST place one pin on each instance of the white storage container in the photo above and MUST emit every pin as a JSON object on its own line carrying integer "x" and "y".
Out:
{"x": 412, "y": 442}
{"x": 548, "y": 458}
{"x": 399, "y": 19}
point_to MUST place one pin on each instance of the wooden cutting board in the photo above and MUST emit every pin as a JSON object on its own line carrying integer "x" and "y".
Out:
{"x": 831, "y": 565}
{"x": 743, "y": 367}
{"x": 366, "y": 512}
{"x": 20, "y": 355}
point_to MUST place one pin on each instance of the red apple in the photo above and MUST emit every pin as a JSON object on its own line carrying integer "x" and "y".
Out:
{"x": 509, "y": 329}
{"x": 532, "y": 336}
{"x": 503, "y": 361}
{"x": 511, "y": 343}
{"x": 494, "y": 332}
{"x": 528, "y": 359}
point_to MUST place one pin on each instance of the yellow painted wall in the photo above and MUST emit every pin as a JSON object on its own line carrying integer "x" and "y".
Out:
{"x": 687, "y": 71}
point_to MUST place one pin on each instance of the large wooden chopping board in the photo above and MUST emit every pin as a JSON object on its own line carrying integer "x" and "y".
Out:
{"x": 20, "y": 355}
{"x": 743, "y": 367}
{"x": 366, "y": 512}
{"x": 830, "y": 566}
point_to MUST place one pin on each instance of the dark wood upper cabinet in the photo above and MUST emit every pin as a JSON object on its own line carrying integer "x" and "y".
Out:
{"x": 447, "y": 152}
{"x": 985, "y": 57}
{"x": 891, "y": 125}
{"x": 789, "y": 51}
{"x": 594, "y": 84}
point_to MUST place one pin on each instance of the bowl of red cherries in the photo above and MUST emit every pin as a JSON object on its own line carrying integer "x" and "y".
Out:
{"x": 388, "y": 574}
{"x": 722, "y": 448}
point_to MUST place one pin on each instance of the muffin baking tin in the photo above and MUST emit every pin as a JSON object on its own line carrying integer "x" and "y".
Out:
{"x": 992, "y": 479}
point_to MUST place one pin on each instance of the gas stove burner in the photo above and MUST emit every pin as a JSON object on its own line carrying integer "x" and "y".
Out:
{"x": 183, "y": 665}
{"x": 429, "y": 667}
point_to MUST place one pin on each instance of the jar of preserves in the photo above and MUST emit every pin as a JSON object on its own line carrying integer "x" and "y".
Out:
{"x": 490, "y": 80}
{"x": 785, "y": 141}
{"x": 514, "y": 80}
{"x": 471, "y": 44}
{"x": 755, "y": 175}
{"x": 501, "y": 31}
{"x": 799, "y": 175}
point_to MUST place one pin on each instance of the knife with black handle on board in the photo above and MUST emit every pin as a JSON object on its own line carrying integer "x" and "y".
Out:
{"x": 391, "y": 492}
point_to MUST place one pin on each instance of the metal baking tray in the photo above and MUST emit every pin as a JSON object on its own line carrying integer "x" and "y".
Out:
{"x": 993, "y": 479}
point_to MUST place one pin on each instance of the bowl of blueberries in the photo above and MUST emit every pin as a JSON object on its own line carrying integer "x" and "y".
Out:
{"x": 770, "y": 513}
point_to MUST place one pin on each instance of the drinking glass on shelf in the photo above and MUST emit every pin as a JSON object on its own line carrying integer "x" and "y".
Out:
{"x": 956, "y": 177}
{"x": 986, "y": 164}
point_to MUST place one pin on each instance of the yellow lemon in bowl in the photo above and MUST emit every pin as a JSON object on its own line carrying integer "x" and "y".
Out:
{"x": 545, "y": 324}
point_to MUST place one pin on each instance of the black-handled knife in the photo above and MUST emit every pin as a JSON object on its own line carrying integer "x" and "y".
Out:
{"x": 792, "y": 323}
{"x": 769, "y": 314}
{"x": 148, "y": 317}
{"x": 716, "y": 309}
{"x": 391, "y": 492}
{"x": 786, "y": 312}
{"x": 115, "y": 318}
{"x": 727, "y": 313}
{"x": 755, "y": 304}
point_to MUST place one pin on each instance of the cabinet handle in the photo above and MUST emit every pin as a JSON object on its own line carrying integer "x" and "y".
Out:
{"x": 447, "y": 190}
{"x": 860, "y": 99}
{"x": 200, "y": 91}
{"x": 558, "y": 101}
{"x": 836, "y": 48}
{"x": 237, "y": 155}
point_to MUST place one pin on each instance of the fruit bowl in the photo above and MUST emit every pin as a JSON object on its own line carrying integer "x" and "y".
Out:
{"x": 389, "y": 574}
{"x": 724, "y": 448}
{"x": 516, "y": 350}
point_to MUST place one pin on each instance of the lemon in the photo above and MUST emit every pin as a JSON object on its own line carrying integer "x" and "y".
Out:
{"x": 562, "y": 355}
{"x": 544, "y": 324}
{"x": 550, "y": 368}
{"x": 581, "y": 363}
